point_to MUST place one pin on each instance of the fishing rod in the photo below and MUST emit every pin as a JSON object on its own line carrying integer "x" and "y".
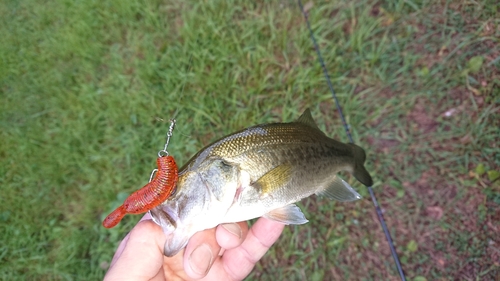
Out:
{"x": 348, "y": 132}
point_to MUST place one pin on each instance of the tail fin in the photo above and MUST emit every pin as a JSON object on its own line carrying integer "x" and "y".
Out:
{"x": 360, "y": 172}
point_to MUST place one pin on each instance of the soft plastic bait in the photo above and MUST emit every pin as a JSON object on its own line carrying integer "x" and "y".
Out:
{"x": 151, "y": 195}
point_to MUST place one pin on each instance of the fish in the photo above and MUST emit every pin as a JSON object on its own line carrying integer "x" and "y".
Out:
{"x": 260, "y": 171}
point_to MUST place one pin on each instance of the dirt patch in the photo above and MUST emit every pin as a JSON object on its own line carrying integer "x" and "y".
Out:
{"x": 447, "y": 214}
{"x": 421, "y": 117}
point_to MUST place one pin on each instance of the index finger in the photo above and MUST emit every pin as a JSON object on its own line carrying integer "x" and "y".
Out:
{"x": 239, "y": 262}
{"x": 123, "y": 243}
{"x": 141, "y": 256}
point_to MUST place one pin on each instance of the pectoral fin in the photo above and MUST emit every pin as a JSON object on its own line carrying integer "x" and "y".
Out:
{"x": 290, "y": 214}
{"x": 274, "y": 179}
{"x": 339, "y": 190}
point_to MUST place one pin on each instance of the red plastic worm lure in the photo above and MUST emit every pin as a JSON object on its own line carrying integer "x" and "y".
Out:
{"x": 152, "y": 194}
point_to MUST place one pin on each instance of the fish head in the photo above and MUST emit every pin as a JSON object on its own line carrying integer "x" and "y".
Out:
{"x": 203, "y": 195}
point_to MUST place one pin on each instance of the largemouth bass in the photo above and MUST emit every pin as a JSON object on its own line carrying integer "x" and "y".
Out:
{"x": 259, "y": 171}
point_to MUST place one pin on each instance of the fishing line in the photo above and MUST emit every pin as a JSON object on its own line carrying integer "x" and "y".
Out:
{"x": 348, "y": 132}
{"x": 181, "y": 95}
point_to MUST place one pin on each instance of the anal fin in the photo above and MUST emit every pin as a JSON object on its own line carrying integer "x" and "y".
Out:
{"x": 289, "y": 214}
{"x": 339, "y": 190}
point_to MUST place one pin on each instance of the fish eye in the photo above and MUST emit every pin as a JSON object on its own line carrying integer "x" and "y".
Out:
{"x": 225, "y": 165}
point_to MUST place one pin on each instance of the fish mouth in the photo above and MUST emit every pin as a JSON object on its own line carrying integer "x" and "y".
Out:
{"x": 164, "y": 219}
{"x": 169, "y": 215}
{"x": 154, "y": 218}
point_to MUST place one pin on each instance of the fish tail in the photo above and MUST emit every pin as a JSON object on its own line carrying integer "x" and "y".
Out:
{"x": 360, "y": 173}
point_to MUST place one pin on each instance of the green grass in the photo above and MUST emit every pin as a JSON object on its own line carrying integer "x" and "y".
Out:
{"x": 87, "y": 89}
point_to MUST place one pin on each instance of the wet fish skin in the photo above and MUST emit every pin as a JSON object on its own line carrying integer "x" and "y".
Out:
{"x": 258, "y": 171}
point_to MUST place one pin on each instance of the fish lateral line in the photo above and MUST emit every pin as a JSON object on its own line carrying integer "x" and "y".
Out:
{"x": 149, "y": 196}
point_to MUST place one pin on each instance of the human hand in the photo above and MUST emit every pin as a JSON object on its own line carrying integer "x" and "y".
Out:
{"x": 227, "y": 252}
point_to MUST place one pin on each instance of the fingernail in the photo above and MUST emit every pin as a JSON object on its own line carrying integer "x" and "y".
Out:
{"x": 200, "y": 259}
{"x": 234, "y": 228}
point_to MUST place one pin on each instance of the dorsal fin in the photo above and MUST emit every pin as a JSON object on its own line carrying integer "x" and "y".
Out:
{"x": 306, "y": 118}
